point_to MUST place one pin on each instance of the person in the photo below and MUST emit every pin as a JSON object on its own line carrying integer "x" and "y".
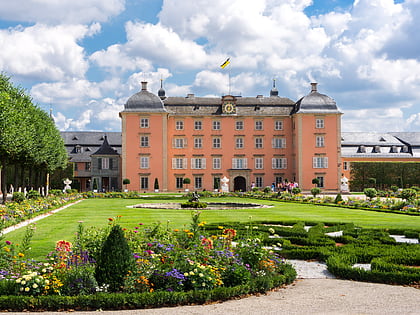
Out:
{"x": 252, "y": 185}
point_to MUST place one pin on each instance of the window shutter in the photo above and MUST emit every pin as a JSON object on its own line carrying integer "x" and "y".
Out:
{"x": 193, "y": 163}
{"x": 284, "y": 162}
{"x": 110, "y": 163}
{"x": 99, "y": 163}
{"x": 203, "y": 165}
{"x": 173, "y": 163}
{"x": 314, "y": 162}
{"x": 245, "y": 163}
{"x": 326, "y": 162}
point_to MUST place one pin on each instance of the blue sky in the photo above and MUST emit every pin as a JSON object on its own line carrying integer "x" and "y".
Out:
{"x": 84, "y": 58}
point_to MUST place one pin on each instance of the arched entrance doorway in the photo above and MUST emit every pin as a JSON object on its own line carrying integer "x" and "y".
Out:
{"x": 239, "y": 183}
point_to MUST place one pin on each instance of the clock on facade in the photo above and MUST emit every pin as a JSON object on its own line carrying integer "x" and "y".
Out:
{"x": 229, "y": 108}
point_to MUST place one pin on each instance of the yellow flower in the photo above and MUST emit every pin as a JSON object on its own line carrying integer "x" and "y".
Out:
{"x": 27, "y": 289}
{"x": 220, "y": 227}
{"x": 21, "y": 254}
{"x": 7, "y": 249}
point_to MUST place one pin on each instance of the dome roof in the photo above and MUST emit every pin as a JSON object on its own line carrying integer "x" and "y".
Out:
{"x": 316, "y": 102}
{"x": 144, "y": 101}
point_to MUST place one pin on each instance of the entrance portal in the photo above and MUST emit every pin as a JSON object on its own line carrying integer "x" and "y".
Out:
{"x": 239, "y": 183}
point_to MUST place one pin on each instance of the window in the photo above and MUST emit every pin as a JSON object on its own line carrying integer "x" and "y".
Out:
{"x": 144, "y": 182}
{"x": 198, "y": 125}
{"x": 144, "y": 123}
{"x": 217, "y": 163}
{"x": 216, "y": 125}
{"x": 198, "y": 163}
{"x": 144, "y": 141}
{"x": 279, "y": 143}
{"x": 179, "y": 163}
{"x": 78, "y": 149}
{"x": 278, "y": 125}
{"x": 319, "y": 123}
{"x": 259, "y": 182}
{"x": 346, "y": 166}
{"x": 105, "y": 164}
{"x": 279, "y": 180}
{"x": 239, "y": 143}
{"x": 320, "y": 141}
{"x": 239, "y": 125}
{"x": 179, "y": 183}
{"x": 320, "y": 162}
{"x": 144, "y": 162}
{"x": 239, "y": 163}
{"x": 198, "y": 143}
{"x": 87, "y": 166}
{"x": 179, "y": 143}
{"x": 76, "y": 168}
{"x": 216, "y": 182}
{"x": 258, "y": 125}
{"x": 259, "y": 143}
{"x": 179, "y": 125}
{"x": 321, "y": 181}
{"x": 198, "y": 182}
{"x": 217, "y": 143}
{"x": 259, "y": 163}
{"x": 279, "y": 163}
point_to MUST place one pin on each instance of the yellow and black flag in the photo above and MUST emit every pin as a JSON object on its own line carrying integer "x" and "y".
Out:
{"x": 225, "y": 64}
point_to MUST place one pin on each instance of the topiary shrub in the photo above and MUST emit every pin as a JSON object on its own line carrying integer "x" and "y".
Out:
{"x": 315, "y": 191}
{"x": 114, "y": 261}
{"x": 296, "y": 190}
{"x": 18, "y": 196}
{"x": 408, "y": 194}
{"x": 338, "y": 198}
{"x": 33, "y": 194}
{"x": 370, "y": 192}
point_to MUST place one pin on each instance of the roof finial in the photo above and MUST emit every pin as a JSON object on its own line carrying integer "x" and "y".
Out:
{"x": 274, "y": 91}
{"x": 161, "y": 92}
{"x": 144, "y": 85}
{"x": 314, "y": 87}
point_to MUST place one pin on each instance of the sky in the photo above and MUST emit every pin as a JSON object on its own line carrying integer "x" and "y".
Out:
{"x": 84, "y": 58}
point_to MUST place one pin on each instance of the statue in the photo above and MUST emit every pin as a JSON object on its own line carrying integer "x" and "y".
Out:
{"x": 67, "y": 182}
{"x": 344, "y": 184}
{"x": 225, "y": 186}
{"x": 195, "y": 197}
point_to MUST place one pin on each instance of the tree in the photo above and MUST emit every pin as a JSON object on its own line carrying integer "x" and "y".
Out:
{"x": 370, "y": 192}
{"x": 315, "y": 181}
{"x": 156, "y": 184}
{"x": 315, "y": 191}
{"x": 186, "y": 181}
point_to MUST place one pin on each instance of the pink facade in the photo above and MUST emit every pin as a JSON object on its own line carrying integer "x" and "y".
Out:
{"x": 253, "y": 141}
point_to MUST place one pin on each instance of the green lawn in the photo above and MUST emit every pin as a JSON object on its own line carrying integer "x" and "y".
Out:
{"x": 95, "y": 212}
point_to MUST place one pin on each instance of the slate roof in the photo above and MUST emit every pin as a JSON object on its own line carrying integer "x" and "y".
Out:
{"x": 106, "y": 149}
{"x": 316, "y": 102}
{"x": 144, "y": 101}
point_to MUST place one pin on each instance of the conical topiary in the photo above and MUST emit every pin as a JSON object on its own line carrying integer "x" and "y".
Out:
{"x": 114, "y": 261}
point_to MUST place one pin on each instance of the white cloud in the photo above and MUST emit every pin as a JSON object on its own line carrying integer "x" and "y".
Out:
{"x": 62, "y": 11}
{"x": 43, "y": 52}
{"x": 81, "y": 123}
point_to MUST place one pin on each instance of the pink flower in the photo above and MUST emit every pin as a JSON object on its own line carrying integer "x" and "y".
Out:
{"x": 8, "y": 242}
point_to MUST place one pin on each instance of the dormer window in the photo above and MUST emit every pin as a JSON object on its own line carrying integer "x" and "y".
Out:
{"x": 394, "y": 149}
{"x": 362, "y": 149}
{"x": 75, "y": 138}
{"x": 376, "y": 149}
{"x": 404, "y": 149}
{"x": 78, "y": 149}
{"x": 382, "y": 139}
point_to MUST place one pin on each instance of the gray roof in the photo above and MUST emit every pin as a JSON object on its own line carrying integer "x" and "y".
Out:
{"x": 106, "y": 149}
{"x": 316, "y": 102}
{"x": 368, "y": 138}
{"x": 144, "y": 101}
{"x": 88, "y": 142}
{"x": 412, "y": 138}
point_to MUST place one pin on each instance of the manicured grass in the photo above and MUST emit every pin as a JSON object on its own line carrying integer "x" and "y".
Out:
{"x": 95, "y": 212}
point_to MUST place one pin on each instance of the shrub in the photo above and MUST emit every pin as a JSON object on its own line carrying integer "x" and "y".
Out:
{"x": 235, "y": 275}
{"x": 33, "y": 194}
{"x": 114, "y": 261}
{"x": 370, "y": 192}
{"x": 194, "y": 205}
{"x": 315, "y": 191}
{"x": 408, "y": 194}
{"x": 296, "y": 190}
{"x": 338, "y": 199}
{"x": 79, "y": 280}
{"x": 55, "y": 192}
{"x": 18, "y": 197}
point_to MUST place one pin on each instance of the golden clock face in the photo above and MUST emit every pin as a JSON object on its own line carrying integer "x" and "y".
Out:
{"x": 229, "y": 108}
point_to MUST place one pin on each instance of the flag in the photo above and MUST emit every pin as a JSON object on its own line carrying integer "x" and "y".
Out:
{"x": 225, "y": 64}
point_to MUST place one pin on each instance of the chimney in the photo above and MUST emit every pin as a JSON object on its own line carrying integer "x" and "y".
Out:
{"x": 314, "y": 89}
{"x": 144, "y": 86}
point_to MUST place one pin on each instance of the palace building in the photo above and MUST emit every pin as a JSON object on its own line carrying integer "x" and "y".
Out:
{"x": 253, "y": 141}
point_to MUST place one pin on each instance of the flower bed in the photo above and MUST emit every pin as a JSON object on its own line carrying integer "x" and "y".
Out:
{"x": 147, "y": 266}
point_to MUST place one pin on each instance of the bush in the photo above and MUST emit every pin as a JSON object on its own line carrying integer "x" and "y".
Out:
{"x": 18, "y": 197}
{"x": 315, "y": 191}
{"x": 408, "y": 194}
{"x": 338, "y": 199}
{"x": 114, "y": 261}
{"x": 79, "y": 280}
{"x": 55, "y": 192}
{"x": 370, "y": 192}
{"x": 296, "y": 190}
{"x": 33, "y": 194}
{"x": 194, "y": 205}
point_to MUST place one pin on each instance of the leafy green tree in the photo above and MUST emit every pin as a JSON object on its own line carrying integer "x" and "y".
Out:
{"x": 370, "y": 192}
{"x": 315, "y": 191}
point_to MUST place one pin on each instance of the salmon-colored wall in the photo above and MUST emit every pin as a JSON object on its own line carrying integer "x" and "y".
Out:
{"x": 305, "y": 133}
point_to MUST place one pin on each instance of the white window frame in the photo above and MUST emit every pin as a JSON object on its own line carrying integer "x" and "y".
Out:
{"x": 239, "y": 125}
{"x": 144, "y": 141}
{"x": 104, "y": 163}
{"x": 198, "y": 125}
{"x": 217, "y": 163}
{"x": 259, "y": 125}
{"x": 278, "y": 125}
{"x": 179, "y": 163}
{"x": 144, "y": 162}
{"x": 279, "y": 143}
{"x": 179, "y": 143}
{"x": 259, "y": 163}
{"x": 259, "y": 181}
{"x": 216, "y": 125}
{"x": 239, "y": 163}
{"x": 144, "y": 123}
{"x": 179, "y": 125}
{"x": 320, "y": 123}
{"x": 198, "y": 143}
{"x": 198, "y": 163}
{"x": 217, "y": 143}
{"x": 278, "y": 163}
{"x": 144, "y": 182}
{"x": 259, "y": 142}
{"x": 239, "y": 143}
{"x": 320, "y": 141}
{"x": 320, "y": 162}
{"x": 198, "y": 182}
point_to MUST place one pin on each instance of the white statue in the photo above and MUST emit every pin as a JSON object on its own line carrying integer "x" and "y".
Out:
{"x": 225, "y": 186}
{"x": 344, "y": 184}
{"x": 67, "y": 182}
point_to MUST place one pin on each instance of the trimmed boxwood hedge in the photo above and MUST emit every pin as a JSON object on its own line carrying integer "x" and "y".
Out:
{"x": 125, "y": 301}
